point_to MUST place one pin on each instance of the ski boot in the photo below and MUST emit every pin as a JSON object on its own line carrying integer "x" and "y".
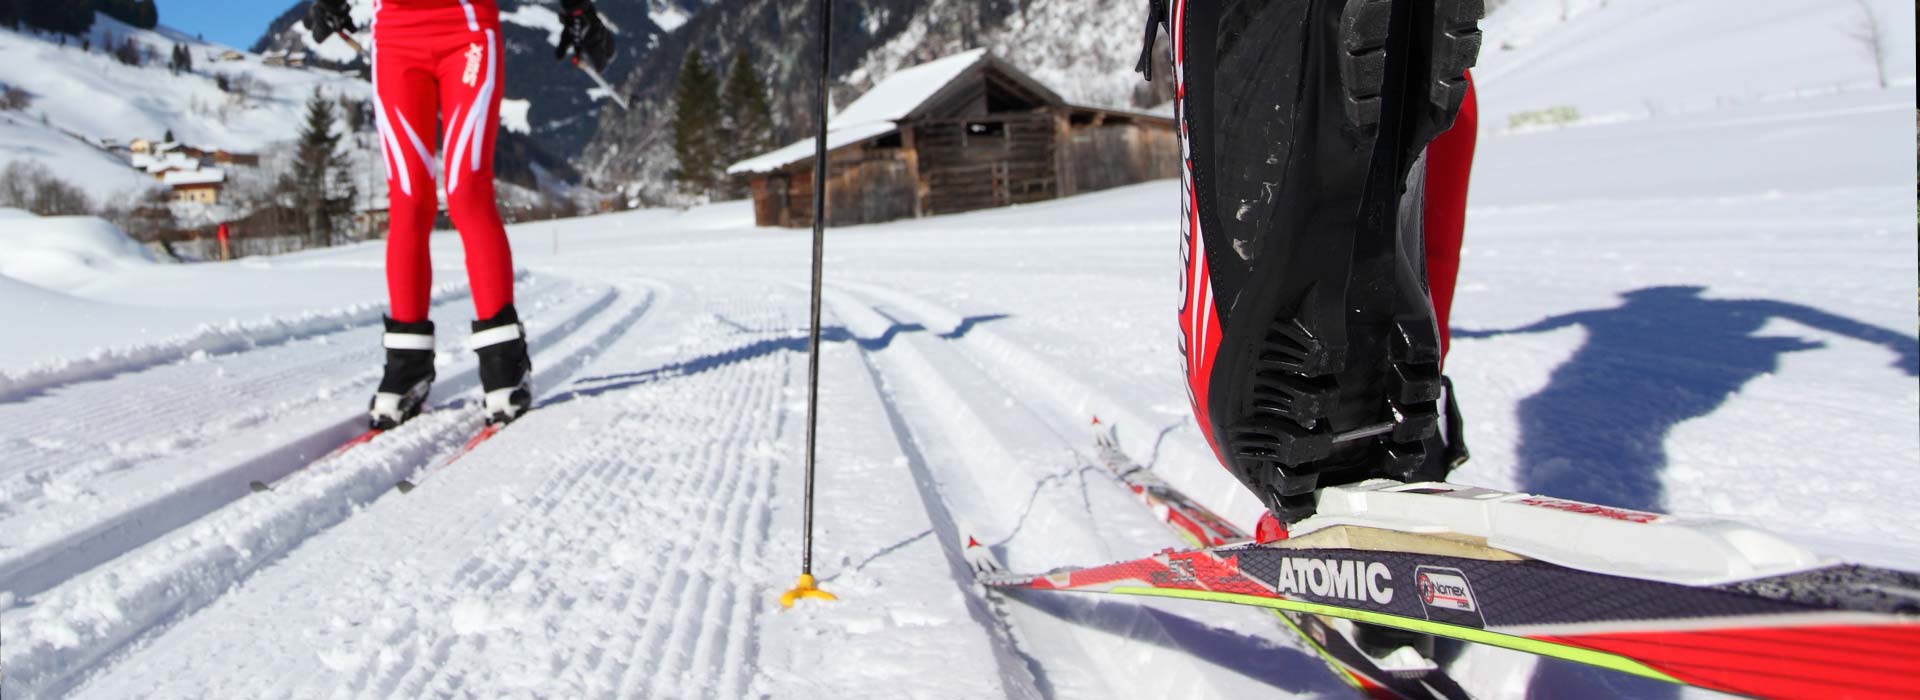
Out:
{"x": 505, "y": 372}
{"x": 408, "y": 376}
{"x": 1311, "y": 349}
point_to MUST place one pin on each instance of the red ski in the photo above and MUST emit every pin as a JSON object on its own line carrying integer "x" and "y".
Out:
{"x": 486, "y": 433}
{"x": 1701, "y": 602}
{"x": 358, "y": 440}
{"x": 1409, "y": 679}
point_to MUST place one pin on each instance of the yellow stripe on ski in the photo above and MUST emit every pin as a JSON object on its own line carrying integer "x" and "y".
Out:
{"x": 1339, "y": 669}
{"x": 1467, "y": 634}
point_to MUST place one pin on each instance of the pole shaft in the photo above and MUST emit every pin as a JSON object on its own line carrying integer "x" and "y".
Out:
{"x": 819, "y": 253}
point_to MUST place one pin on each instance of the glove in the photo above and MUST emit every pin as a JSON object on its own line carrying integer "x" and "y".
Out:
{"x": 582, "y": 32}
{"x": 326, "y": 18}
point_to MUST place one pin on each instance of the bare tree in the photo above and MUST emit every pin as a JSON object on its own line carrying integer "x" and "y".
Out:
{"x": 29, "y": 185}
{"x": 1872, "y": 35}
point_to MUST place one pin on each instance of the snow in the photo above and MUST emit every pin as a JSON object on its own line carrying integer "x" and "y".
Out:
{"x": 64, "y": 252}
{"x": 1705, "y": 311}
{"x": 904, "y": 91}
{"x": 536, "y": 17}
{"x": 209, "y": 176}
{"x": 669, "y": 18}
{"x": 513, "y": 115}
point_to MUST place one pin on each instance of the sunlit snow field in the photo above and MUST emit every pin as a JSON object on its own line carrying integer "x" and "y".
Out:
{"x": 1702, "y": 299}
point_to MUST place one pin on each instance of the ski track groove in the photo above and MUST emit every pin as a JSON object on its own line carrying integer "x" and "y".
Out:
{"x": 232, "y": 337}
{"x": 212, "y": 568}
{"x": 140, "y": 517}
{"x": 690, "y": 643}
{"x": 953, "y": 367}
{"x": 100, "y": 432}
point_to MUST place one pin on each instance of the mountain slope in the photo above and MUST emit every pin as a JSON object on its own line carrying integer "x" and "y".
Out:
{"x": 80, "y": 100}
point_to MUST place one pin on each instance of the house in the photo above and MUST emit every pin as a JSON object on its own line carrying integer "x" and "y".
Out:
{"x": 158, "y": 164}
{"x": 964, "y": 132}
{"x": 225, "y": 157}
{"x": 141, "y": 146}
{"x": 196, "y": 186}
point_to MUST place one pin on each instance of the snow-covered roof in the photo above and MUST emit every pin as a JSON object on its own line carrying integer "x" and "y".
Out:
{"x": 878, "y": 112}
{"x": 209, "y": 176}
{"x": 897, "y": 96}
{"x": 803, "y": 149}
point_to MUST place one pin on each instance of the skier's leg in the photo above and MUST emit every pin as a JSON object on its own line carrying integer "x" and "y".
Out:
{"x": 1449, "y": 167}
{"x": 406, "y": 102}
{"x": 1312, "y": 352}
{"x": 471, "y": 72}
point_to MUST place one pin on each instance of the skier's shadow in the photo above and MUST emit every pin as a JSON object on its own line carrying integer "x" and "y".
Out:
{"x": 594, "y": 386}
{"x": 1597, "y": 432}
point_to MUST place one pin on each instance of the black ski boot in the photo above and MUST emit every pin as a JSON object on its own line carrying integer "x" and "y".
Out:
{"x": 409, "y": 374}
{"x": 1312, "y": 354}
{"x": 505, "y": 372}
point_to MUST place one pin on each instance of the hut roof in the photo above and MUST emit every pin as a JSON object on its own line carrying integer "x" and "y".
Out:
{"x": 902, "y": 96}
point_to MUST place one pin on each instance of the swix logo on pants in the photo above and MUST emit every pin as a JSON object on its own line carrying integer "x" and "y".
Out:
{"x": 1336, "y": 578}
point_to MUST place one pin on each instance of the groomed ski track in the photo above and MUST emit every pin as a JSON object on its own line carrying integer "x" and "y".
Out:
{"x": 624, "y": 539}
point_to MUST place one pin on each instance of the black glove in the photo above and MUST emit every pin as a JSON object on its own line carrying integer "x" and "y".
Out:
{"x": 582, "y": 32}
{"x": 326, "y": 18}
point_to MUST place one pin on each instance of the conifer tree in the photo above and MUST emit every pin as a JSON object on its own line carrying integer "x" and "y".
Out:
{"x": 318, "y": 179}
{"x": 696, "y": 122}
{"x": 748, "y": 129}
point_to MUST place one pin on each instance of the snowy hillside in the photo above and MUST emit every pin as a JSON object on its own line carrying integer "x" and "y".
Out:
{"x": 1708, "y": 307}
{"x": 81, "y": 100}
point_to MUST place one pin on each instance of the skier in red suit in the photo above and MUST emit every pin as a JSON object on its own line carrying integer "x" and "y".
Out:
{"x": 438, "y": 73}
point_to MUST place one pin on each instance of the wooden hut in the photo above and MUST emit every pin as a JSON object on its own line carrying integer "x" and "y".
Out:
{"x": 964, "y": 132}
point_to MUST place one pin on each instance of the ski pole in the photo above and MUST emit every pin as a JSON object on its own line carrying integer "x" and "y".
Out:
{"x": 602, "y": 82}
{"x": 344, "y": 36}
{"x": 806, "y": 588}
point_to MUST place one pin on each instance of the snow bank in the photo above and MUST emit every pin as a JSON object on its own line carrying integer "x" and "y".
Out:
{"x": 1643, "y": 58}
{"x": 64, "y": 252}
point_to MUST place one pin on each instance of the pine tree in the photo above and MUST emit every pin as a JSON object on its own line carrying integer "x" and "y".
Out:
{"x": 318, "y": 174}
{"x": 748, "y": 129}
{"x": 696, "y": 122}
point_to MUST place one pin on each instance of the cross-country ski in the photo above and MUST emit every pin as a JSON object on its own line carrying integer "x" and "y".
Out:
{"x": 1440, "y": 349}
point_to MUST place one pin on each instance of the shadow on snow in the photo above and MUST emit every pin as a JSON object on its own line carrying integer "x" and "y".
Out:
{"x": 609, "y": 383}
{"x": 1597, "y": 432}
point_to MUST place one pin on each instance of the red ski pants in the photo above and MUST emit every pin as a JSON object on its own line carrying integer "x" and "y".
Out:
{"x": 438, "y": 63}
{"x": 1449, "y": 165}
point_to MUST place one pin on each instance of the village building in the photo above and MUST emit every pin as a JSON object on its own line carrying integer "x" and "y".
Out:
{"x": 196, "y": 186}
{"x": 964, "y": 132}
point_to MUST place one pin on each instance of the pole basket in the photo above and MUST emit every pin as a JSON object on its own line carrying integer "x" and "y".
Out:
{"x": 803, "y": 589}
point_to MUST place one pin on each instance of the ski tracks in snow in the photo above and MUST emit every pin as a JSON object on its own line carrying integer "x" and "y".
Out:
{"x": 79, "y": 623}
{"x": 1013, "y": 474}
